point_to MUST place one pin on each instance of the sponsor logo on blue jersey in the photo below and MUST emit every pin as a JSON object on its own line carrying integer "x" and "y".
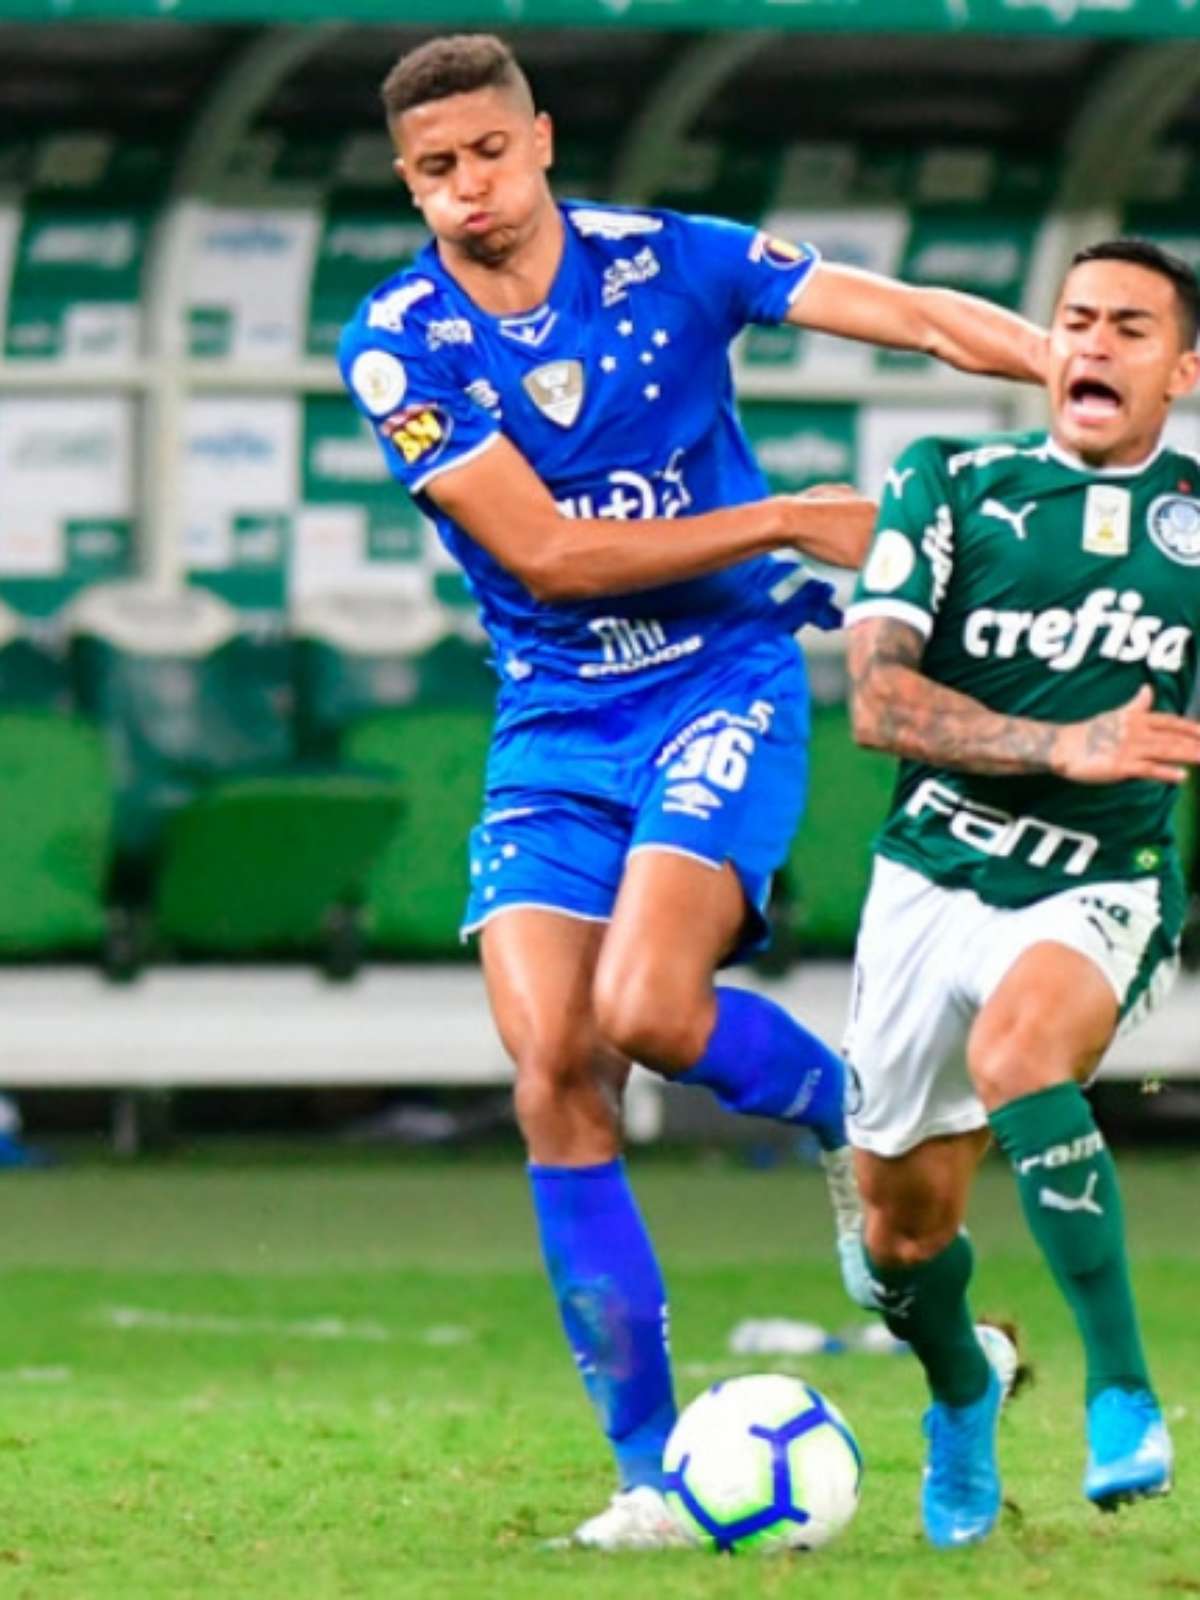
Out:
{"x": 625, "y": 495}
{"x": 419, "y": 433}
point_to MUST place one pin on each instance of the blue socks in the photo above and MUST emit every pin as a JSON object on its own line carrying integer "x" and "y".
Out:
{"x": 599, "y": 1257}
{"x": 761, "y": 1062}
{"x": 613, "y": 1306}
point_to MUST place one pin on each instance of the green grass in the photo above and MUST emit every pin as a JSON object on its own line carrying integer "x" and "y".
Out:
{"x": 332, "y": 1379}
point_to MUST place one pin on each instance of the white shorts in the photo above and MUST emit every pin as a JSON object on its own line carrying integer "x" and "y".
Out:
{"x": 928, "y": 958}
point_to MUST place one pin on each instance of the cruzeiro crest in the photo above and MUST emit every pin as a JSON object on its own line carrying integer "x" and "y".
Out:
{"x": 556, "y": 389}
{"x": 1174, "y": 523}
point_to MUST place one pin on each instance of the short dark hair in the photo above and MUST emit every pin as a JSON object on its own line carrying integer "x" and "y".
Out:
{"x": 458, "y": 63}
{"x": 1145, "y": 253}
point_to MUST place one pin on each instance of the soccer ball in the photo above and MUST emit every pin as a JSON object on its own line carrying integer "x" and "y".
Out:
{"x": 762, "y": 1462}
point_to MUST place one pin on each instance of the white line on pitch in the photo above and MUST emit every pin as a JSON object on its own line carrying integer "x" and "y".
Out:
{"x": 138, "y": 1318}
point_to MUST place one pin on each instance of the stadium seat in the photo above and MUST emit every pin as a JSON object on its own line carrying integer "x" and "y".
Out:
{"x": 221, "y": 847}
{"x": 356, "y": 654}
{"x": 390, "y": 683}
{"x": 274, "y": 864}
{"x": 55, "y": 806}
{"x": 417, "y": 890}
{"x": 172, "y": 681}
{"x": 30, "y": 675}
{"x": 55, "y": 817}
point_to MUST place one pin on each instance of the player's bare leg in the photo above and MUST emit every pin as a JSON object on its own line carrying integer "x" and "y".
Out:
{"x": 540, "y": 968}
{"x": 676, "y": 919}
{"x": 1036, "y": 1040}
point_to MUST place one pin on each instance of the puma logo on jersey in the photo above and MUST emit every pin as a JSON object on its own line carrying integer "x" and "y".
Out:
{"x": 1015, "y": 519}
{"x": 1053, "y": 1201}
{"x": 897, "y": 478}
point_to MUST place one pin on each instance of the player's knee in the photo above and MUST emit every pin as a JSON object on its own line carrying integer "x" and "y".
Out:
{"x": 893, "y": 1240}
{"x": 1005, "y": 1063}
{"x": 564, "y": 1107}
{"x": 645, "y": 1021}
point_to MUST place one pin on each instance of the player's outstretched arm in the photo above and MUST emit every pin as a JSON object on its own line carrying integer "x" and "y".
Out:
{"x": 960, "y": 329}
{"x": 895, "y": 707}
{"x": 503, "y": 504}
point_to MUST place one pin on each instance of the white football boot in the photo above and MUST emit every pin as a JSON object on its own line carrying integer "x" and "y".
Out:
{"x": 1003, "y": 1356}
{"x": 634, "y": 1519}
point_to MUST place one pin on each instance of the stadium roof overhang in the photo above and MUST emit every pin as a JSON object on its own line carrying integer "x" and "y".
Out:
{"x": 1113, "y": 18}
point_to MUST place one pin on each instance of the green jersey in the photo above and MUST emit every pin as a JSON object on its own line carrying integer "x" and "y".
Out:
{"x": 1043, "y": 589}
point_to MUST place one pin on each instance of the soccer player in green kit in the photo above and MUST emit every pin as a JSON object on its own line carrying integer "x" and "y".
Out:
{"x": 1024, "y": 637}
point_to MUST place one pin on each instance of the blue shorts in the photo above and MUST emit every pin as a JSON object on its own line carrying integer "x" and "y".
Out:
{"x": 712, "y": 766}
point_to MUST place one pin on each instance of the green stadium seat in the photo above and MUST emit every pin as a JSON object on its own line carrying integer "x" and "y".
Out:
{"x": 55, "y": 805}
{"x": 273, "y": 864}
{"x": 356, "y": 654}
{"x": 55, "y": 817}
{"x": 173, "y": 682}
{"x": 391, "y": 684}
{"x": 418, "y": 888}
{"x": 221, "y": 846}
{"x": 30, "y": 675}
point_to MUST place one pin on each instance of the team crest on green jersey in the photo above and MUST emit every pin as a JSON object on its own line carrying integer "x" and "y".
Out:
{"x": 1174, "y": 523}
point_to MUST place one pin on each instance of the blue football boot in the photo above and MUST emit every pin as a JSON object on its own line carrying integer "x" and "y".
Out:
{"x": 960, "y": 1495}
{"x": 1129, "y": 1449}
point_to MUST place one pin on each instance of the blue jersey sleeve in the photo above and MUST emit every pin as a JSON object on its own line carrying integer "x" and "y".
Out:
{"x": 746, "y": 275}
{"x": 412, "y": 377}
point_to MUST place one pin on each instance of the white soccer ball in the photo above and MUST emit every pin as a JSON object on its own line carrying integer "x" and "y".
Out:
{"x": 762, "y": 1462}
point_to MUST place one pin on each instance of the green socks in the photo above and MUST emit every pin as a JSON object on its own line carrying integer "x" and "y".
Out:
{"x": 1068, "y": 1187}
{"x": 927, "y": 1306}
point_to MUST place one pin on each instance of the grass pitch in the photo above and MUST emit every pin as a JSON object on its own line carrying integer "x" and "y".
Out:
{"x": 224, "y": 1377}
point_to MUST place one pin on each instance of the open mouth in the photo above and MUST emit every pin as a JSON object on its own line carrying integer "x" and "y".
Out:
{"x": 1092, "y": 400}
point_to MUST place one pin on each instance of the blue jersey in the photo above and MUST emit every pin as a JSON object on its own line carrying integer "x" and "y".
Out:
{"x": 618, "y": 392}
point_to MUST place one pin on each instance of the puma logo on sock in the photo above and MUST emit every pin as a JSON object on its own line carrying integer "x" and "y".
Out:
{"x": 1053, "y": 1201}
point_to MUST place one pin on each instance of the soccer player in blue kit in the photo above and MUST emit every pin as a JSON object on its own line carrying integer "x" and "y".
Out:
{"x": 552, "y": 383}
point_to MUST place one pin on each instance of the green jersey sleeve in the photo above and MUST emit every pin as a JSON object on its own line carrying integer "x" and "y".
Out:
{"x": 911, "y": 559}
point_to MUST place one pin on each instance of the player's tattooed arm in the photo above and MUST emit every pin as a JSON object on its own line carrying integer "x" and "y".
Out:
{"x": 896, "y": 707}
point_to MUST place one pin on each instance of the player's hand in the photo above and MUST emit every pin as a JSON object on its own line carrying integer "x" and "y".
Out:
{"x": 830, "y": 522}
{"x": 1134, "y": 741}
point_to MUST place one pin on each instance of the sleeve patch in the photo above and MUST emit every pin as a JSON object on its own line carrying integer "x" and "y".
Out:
{"x": 420, "y": 433}
{"x": 379, "y": 381}
{"x": 775, "y": 252}
{"x": 890, "y": 563}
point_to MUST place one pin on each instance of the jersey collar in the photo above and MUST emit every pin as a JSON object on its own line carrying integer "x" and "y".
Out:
{"x": 528, "y": 329}
{"x": 1067, "y": 458}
